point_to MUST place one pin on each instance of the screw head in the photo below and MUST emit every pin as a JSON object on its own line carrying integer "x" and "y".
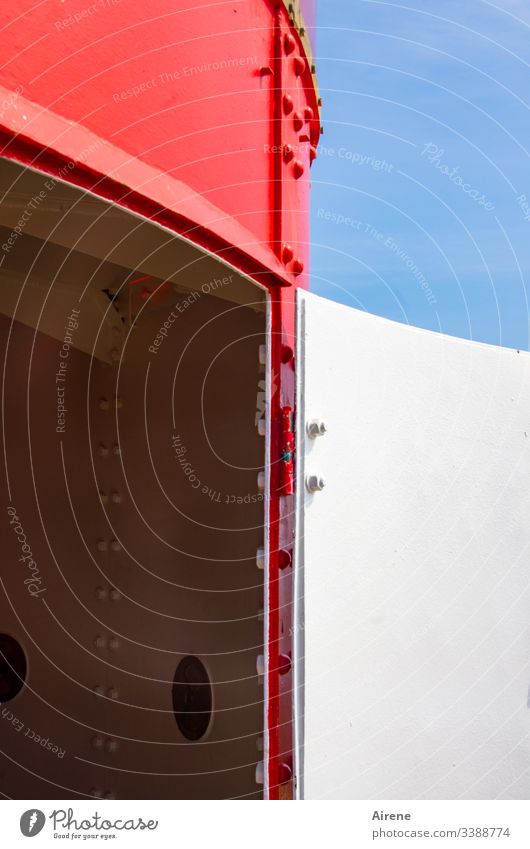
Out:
{"x": 315, "y": 428}
{"x": 315, "y": 483}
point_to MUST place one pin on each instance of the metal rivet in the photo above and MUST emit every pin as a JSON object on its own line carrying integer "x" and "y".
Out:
{"x": 118, "y": 402}
{"x": 115, "y": 355}
{"x": 261, "y": 480}
{"x": 98, "y": 690}
{"x": 315, "y": 483}
{"x": 289, "y": 43}
{"x": 287, "y": 354}
{"x": 299, "y": 65}
{"x": 284, "y": 664}
{"x": 285, "y": 773}
{"x": 96, "y": 793}
{"x": 284, "y": 559}
{"x": 103, "y": 451}
{"x": 104, "y": 404}
{"x": 116, "y": 498}
{"x": 262, "y": 427}
{"x": 298, "y": 121}
{"x": 111, "y": 746}
{"x": 114, "y": 595}
{"x": 260, "y": 665}
{"x": 102, "y": 545}
{"x": 112, "y": 693}
{"x": 115, "y": 545}
{"x": 260, "y": 558}
{"x": 97, "y": 742}
{"x": 104, "y": 497}
{"x": 298, "y": 266}
{"x": 262, "y": 355}
{"x": 101, "y": 593}
{"x": 114, "y": 644}
{"x": 287, "y": 254}
{"x": 298, "y": 169}
{"x": 116, "y": 450}
{"x": 99, "y": 642}
{"x": 259, "y": 776}
{"x": 288, "y": 153}
{"x": 287, "y": 104}
{"x": 315, "y": 428}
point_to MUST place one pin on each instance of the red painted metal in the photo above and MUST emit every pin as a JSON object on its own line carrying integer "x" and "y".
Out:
{"x": 178, "y": 112}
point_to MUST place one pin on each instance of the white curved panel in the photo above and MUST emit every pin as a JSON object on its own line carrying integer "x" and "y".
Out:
{"x": 412, "y": 650}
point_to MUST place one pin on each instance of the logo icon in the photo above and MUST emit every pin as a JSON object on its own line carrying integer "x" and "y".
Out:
{"x": 31, "y": 822}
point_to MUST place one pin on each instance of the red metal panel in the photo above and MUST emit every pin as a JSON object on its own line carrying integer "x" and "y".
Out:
{"x": 183, "y": 87}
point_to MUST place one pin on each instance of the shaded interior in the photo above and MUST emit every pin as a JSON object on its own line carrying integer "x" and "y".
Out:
{"x": 132, "y": 394}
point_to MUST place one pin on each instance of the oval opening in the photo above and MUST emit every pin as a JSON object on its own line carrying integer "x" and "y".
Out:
{"x": 13, "y": 668}
{"x": 192, "y": 698}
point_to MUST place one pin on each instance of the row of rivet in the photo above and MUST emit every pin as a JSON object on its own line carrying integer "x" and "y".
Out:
{"x": 102, "y": 594}
{"x": 112, "y": 643}
{"x": 103, "y": 545}
{"x": 105, "y": 404}
{"x": 115, "y": 497}
{"x": 108, "y": 743}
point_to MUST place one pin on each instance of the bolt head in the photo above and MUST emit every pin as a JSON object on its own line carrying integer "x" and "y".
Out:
{"x": 315, "y": 483}
{"x": 315, "y": 428}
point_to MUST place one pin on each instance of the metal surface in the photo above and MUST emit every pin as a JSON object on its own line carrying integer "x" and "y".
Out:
{"x": 117, "y": 564}
{"x": 412, "y": 654}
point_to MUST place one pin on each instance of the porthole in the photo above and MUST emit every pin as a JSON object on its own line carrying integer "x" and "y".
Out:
{"x": 192, "y": 698}
{"x": 13, "y": 668}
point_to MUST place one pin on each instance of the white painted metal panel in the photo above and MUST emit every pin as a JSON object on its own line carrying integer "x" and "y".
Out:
{"x": 412, "y": 566}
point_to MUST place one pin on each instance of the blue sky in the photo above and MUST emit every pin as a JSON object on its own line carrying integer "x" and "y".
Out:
{"x": 421, "y": 191}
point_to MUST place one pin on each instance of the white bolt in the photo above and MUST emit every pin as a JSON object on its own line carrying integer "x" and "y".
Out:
{"x": 316, "y": 428}
{"x": 315, "y": 483}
